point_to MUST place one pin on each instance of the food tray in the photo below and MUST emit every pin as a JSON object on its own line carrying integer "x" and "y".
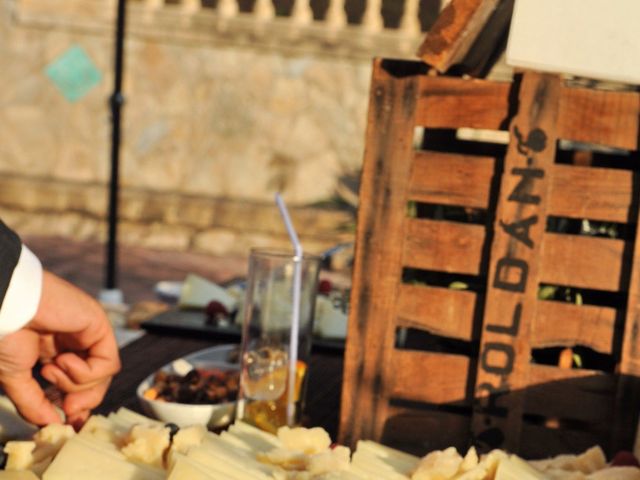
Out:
{"x": 193, "y": 322}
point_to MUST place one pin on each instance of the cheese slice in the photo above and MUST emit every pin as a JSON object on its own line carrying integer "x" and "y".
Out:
{"x": 79, "y": 459}
{"x": 616, "y": 473}
{"x": 214, "y": 446}
{"x": 186, "y": 469}
{"x": 25, "y": 475}
{"x": 20, "y": 454}
{"x": 254, "y": 438}
{"x": 232, "y": 468}
{"x": 389, "y": 458}
{"x": 197, "y": 292}
{"x": 514, "y": 468}
{"x": 125, "y": 417}
{"x": 100, "y": 428}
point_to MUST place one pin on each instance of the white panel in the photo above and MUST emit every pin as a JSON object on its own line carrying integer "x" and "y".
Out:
{"x": 591, "y": 38}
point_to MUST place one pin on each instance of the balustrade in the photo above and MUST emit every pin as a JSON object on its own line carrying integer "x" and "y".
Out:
{"x": 356, "y": 28}
{"x": 336, "y": 15}
{"x": 372, "y": 20}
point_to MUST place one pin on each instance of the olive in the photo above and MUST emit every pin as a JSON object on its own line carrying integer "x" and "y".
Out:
{"x": 192, "y": 377}
{"x": 173, "y": 429}
{"x": 3, "y": 458}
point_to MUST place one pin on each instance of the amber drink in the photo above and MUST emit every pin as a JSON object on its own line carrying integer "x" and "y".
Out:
{"x": 266, "y": 336}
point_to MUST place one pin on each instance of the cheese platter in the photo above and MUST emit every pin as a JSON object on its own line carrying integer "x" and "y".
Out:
{"x": 127, "y": 445}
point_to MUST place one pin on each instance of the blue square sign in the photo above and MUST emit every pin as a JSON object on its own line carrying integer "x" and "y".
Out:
{"x": 74, "y": 73}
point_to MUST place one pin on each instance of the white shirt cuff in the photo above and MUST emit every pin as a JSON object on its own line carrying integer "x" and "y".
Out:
{"x": 23, "y": 294}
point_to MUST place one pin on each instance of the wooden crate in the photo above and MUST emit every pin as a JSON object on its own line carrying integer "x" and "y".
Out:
{"x": 452, "y": 339}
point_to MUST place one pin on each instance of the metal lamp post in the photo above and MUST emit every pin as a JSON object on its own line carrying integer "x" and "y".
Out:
{"x": 111, "y": 293}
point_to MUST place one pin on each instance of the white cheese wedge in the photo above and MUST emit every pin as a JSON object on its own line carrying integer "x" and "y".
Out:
{"x": 125, "y": 417}
{"x": 253, "y": 436}
{"x": 54, "y": 435}
{"x": 587, "y": 462}
{"x": 188, "y": 437}
{"x": 331, "y": 460}
{"x": 20, "y": 454}
{"x": 147, "y": 444}
{"x": 616, "y": 473}
{"x": 514, "y": 468}
{"x": 305, "y": 440}
{"x": 329, "y": 322}
{"x": 215, "y": 446}
{"x": 186, "y": 469}
{"x": 197, "y": 292}
{"x": 395, "y": 460}
{"x": 438, "y": 464}
{"x": 24, "y": 475}
{"x": 79, "y": 459}
{"x": 100, "y": 428}
{"x": 232, "y": 468}
{"x": 369, "y": 468}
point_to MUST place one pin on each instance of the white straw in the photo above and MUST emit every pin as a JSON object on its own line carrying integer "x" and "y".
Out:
{"x": 295, "y": 311}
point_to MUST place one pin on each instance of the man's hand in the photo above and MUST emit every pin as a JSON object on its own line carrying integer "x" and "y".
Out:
{"x": 71, "y": 335}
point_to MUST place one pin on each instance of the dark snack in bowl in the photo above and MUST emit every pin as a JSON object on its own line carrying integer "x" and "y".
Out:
{"x": 199, "y": 386}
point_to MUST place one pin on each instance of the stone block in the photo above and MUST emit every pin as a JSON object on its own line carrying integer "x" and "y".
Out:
{"x": 156, "y": 236}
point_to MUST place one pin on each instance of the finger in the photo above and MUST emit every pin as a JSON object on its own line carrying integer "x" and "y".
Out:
{"x": 58, "y": 377}
{"x": 47, "y": 348}
{"x": 76, "y": 404}
{"x": 78, "y": 420}
{"x": 87, "y": 370}
{"x": 30, "y": 400}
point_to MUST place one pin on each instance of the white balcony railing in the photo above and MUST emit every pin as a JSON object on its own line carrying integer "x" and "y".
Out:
{"x": 389, "y": 28}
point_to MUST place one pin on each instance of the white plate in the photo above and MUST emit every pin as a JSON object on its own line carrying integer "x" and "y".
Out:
{"x": 183, "y": 414}
{"x": 169, "y": 290}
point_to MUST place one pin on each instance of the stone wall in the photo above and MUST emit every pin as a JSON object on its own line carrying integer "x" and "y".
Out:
{"x": 212, "y": 128}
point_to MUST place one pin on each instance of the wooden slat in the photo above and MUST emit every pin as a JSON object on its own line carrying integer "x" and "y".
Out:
{"x": 590, "y": 192}
{"x": 429, "y": 377}
{"x": 514, "y": 273}
{"x": 597, "y": 381}
{"x": 444, "y": 246}
{"x": 605, "y": 118}
{"x": 568, "y": 401}
{"x": 377, "y": 269}
{"x": 570, "y": 394}
{"x": 539, "y": 442}
{"x": 576, "y": 192}
{"x": 448, "y": 102}
{"x": 449, "y": 179}
{"x": 628, "y": 394}
{"x": 583, "y": 262}
{"x": 454, "y": 32}
{"x": 568, "y": 325}
{"x": 408, "y": 430}
{"x": 440, "y": 311}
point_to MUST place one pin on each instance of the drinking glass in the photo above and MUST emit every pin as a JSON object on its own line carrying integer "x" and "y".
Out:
{"x": 266, "y": 336}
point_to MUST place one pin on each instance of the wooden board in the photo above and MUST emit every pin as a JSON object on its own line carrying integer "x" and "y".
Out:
{"x": 514, "y": 274}
{"x": 454, "y": 32}
{"x": 380, "y": 228}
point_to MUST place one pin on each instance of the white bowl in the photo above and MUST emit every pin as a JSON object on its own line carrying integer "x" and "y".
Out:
{"x": 183, "y": 414}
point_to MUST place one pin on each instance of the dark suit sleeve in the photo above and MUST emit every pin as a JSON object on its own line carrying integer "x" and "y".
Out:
{"x": 10, "y": 247}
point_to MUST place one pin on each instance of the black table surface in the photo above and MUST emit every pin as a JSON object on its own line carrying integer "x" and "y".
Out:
{"x": 151, "y": 351}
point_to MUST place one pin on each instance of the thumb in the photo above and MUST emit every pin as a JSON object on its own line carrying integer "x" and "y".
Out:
{"x": 30, "y": 400}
